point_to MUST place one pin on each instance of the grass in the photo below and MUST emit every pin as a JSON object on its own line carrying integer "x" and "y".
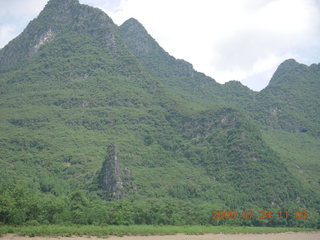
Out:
{"x": 104, "y": 231}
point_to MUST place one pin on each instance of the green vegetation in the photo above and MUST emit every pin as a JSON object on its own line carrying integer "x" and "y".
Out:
{"x": 290, "y": 101}
{"x": 141, "y": 230}
{"x": 300, "y": 155}
{"x": 185, "y": 145}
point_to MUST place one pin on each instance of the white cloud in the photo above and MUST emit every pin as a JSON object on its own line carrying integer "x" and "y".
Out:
{"x": 7, "y": 32}
{"x": 21, "y": 9}
{"x": 15, "y": 15}
{"x": 230, "y": 39}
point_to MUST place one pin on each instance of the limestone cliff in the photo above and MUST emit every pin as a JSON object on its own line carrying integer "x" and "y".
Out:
{"x": 110, "y": 177}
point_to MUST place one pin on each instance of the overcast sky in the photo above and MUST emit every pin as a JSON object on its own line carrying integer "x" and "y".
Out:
{"x": 241, "y": 40}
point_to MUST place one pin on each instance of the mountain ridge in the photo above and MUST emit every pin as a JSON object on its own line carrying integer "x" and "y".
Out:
{"x": 68, "y": 4}
{"x": 182, "y": 139}
{"x": 286, "y": 80}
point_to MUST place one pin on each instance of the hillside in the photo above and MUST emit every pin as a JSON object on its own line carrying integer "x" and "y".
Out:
{"x": 96, "y": 116}
{"x": 291, "y": 100}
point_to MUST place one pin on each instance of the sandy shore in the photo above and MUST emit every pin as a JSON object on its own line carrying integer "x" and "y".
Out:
{"x": 273, "y": 236}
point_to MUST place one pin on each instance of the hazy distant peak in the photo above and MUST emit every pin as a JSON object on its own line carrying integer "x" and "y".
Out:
{"x": 131, "y": 21}
{"x": 56, "y": 4}
{"x": 133, "y": 26}
{"x": 63, "y": 2}
{"x": 234, "y": 83}
{"x": 290, "y": 62}
{"x": 287, "y": 72}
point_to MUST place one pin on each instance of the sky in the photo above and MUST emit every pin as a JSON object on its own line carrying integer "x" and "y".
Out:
{"x": 242, "y": 40}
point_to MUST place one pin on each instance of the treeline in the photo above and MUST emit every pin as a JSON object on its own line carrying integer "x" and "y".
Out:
{"x": 19, "y": 206}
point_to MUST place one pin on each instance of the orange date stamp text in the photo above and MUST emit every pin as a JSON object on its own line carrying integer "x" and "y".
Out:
{"x": 249, "y": 214}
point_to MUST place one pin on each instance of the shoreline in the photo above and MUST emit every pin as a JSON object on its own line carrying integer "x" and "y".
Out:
{"x": 208, "y": 236}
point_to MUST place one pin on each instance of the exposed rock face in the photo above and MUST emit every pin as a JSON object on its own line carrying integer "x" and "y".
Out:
{"x": 61, "y": 17}
{"x": 110, "y": 174}
{"x": 46, "y": 37}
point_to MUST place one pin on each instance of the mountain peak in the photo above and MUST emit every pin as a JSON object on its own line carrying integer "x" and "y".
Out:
{"x": 63, "y": 2}
{"x": 132, "y": 21}
{"x": 133, "y": 27}
{"x": 58, "y": 17}
{"x": 290, "y": 62}
{"x": 287, "y": 71}
{"x": 133, "y": 24}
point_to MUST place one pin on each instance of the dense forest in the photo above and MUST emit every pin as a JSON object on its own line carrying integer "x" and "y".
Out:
{"x": 100, "y": 125}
